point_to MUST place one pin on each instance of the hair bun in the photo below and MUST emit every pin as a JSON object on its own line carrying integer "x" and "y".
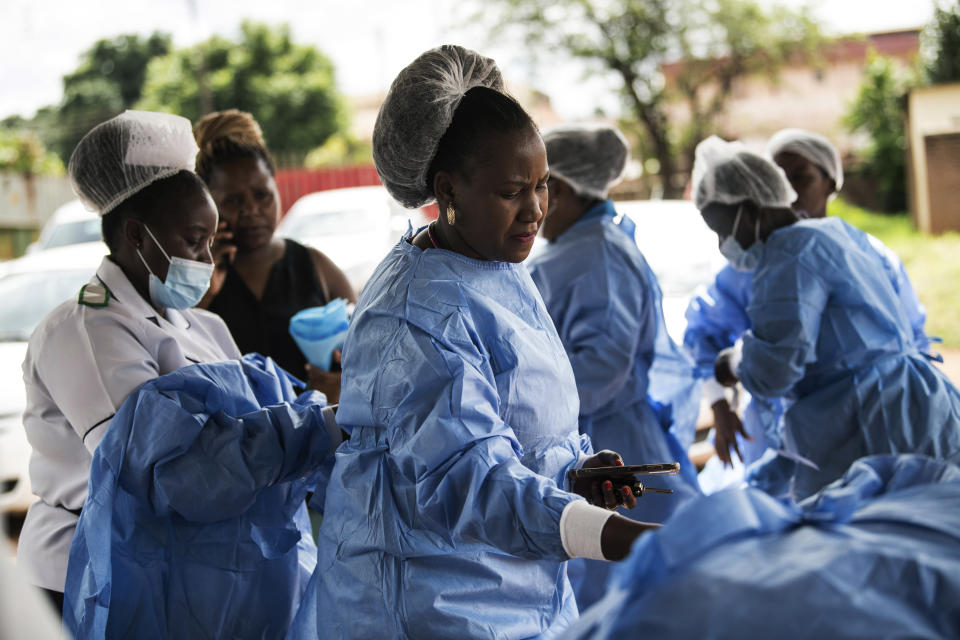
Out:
{"x": 234, "y": 126}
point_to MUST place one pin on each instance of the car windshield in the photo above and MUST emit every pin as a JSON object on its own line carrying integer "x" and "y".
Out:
{"x": 74, "y": 233}
{"x": 36, "y": 294}
{"x": 333, "y": 222}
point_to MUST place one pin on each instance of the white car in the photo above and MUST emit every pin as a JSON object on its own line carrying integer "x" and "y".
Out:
{"x": 684, "y": 254}
{"x": 681, "y": 250}
{"x": 31, "y": 287}
{"x": 355, "y": 227}
{"x": 678, "y": 246}
{"x": 71, "y": 223}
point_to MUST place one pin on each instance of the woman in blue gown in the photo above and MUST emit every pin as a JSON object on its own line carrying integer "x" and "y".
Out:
{"x": 718, "y": 317}
{"x": 448, "y": 512}
{"x": 828, "y": 335}
{"x": 605, "y": 302}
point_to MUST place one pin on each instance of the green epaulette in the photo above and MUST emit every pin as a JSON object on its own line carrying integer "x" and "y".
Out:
{"x": 94, "y": 295}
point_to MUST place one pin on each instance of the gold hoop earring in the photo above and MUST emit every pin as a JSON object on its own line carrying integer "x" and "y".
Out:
{"x": 451, "y": 214}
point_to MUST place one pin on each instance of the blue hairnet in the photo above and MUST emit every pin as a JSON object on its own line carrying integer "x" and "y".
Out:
{"x": 727, "y": 173}
{"x": 811, "y": 146}
{"x": 417, "y": 112}
{"x": 590, "y": 158}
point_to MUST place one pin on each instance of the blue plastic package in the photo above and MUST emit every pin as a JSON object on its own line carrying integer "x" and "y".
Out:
{"x": 195, "y": 525}
{"x": 319, "y": 331}
{"x": 875, "y": 554}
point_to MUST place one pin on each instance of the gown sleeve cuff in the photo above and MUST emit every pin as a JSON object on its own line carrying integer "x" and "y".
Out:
{"x": 736, "y": 357}
{"x": 333, "y": 429}
{"x": 580, "y": 527}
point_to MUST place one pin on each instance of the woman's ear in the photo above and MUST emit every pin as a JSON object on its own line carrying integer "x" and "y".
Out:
{"x": 443, "y": 189}
{"x": 831, "y": 187}
{"x": 133, "y": 233}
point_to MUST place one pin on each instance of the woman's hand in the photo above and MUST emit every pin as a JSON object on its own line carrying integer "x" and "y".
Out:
{"x": 610, "y": 492}
{"x": 327, "y": 382}
{"x": 619, "y": 534}
{"x": 727, "y": 425}
{"x": 725, "y": 366}
{"x": 223, "y": 252}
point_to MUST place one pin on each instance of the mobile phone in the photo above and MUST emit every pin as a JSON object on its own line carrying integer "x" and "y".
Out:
{"x": 224, "y": 260}
{"x": 663, "y": 468}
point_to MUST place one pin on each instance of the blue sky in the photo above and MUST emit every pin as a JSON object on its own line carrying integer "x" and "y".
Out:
{"x": 369, "y": 40}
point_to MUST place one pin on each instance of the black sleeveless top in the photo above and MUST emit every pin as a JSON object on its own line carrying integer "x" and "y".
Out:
{"x": 264, "y": 325}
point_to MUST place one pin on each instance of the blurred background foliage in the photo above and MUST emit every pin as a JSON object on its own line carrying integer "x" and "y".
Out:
{"x": 289, "y": 88}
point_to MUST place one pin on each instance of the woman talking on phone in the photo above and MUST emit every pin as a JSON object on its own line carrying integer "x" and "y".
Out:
{"x": 260, "y": 280}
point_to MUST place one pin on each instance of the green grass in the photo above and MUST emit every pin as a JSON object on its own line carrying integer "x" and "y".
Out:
{"x": 933, "y": 263}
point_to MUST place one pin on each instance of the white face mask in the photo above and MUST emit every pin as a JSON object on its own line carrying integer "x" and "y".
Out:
{"x": 185, "y": 284}
{"x": 739, "y": 258}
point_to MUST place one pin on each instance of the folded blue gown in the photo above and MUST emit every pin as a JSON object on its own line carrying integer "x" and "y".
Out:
{"x": 874, "y": 555}
{"x": 195, "y": 524}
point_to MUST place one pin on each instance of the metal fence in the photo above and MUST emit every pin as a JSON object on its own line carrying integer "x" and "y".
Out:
{"x": 25, "y": 204}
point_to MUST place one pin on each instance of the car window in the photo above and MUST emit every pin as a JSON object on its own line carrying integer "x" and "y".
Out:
{"x": 74, "y": 233}
{"x": 36, "y": 295}
{"x": 332, "y": 222}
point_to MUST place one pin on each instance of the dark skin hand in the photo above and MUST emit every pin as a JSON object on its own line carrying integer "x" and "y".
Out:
{"x": 608, "y": 493}
{"x": 619, "y": 534}
{"x": 327, "y": 382}
{"x": 224, "y": 251}
{"x": 727, "y": 425}
{"x": 722, "y": 369}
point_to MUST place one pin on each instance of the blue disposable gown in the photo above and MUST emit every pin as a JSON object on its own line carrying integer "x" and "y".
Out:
{"x": 874, "y": 555}
{"x": 605, "y": 302}
{"x": 830, "y": 335}
{"x": 443, "y": 509}
{"x": 195, "y": 524}
{"x": 717, "y": 318}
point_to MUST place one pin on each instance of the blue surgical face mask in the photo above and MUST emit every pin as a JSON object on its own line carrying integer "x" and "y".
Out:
{"x": 739, "y": 258}
{"x": 185, "y": 284}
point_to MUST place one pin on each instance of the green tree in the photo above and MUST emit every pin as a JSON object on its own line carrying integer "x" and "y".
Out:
{"x": 664, "y": 52}
{"x": 942, "y": 38}
{"x": 108, "y": 80}
{"x": 340, "y": 149}
{"x": 878, "y": 111}
{"x": 289, "y": 88}
{"x": 22, "y": 152}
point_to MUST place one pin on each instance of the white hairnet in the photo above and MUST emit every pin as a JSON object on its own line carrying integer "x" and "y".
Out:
{"x": 727, "y": 173}
{"x": 121, "y": 156}
{"x": 417, "y": 112}
{"x": 590, "y": 158}
{"x": 812, "y": 146}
